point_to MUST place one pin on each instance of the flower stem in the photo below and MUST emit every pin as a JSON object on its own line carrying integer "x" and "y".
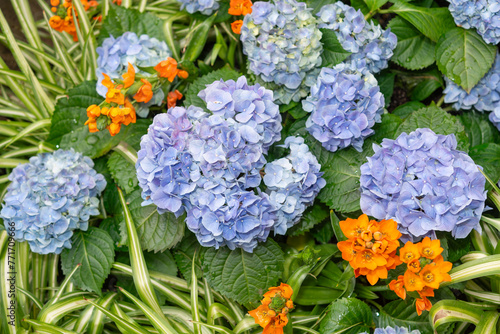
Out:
{"x": 440, "y": 101}
{"x": 126, "y": 151}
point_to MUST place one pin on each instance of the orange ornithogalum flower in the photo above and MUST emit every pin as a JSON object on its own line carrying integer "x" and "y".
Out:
{"x": 240, "y": 7}
{"x": 168, "y": 69}
{"x": 423, "y": 304}
{"x": 145, "y": 92}
{"x": 371, "y": 246}
{"x": 236, "y": 26}
{"x": 129, "y": 76}
{"x": 398, "y": 287}
{"x": 409, "y": 252}
{"x": 172, "y": 98}
{"x": 272, "y": 315}
{"x": 430, "y": 249}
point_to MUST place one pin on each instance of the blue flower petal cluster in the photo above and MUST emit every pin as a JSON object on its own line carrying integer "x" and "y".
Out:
{"x": 394, "y": 330}
{"x": 344, "y": 104}
{"x": 50, "y": 197}
{"x": 483, "y": 15}
{"x": 485, "y": 96}
{"x": 424, "y": 183}
{"x": 206, "y": 7}
{"x": 116, "y": 53}
{"x": 282, "y": 42}
{"x": 293, "y": 182}
{"x": 369, "y": 44}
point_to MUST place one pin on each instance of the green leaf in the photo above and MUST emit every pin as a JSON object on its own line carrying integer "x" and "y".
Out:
{"x": 386, "y": 83}
{"x": 316, "y": 5}
{"x": 347, "y": 316}
{"x": 311, "y": 217}
{"x": 191, "y": 97}
{"x": 156, "y": 232}
{"x": 121, "y": 20}
{"x": 375, "y": 4}
{"x": 184, "y": 253}
{"x": 333, "y": 52}
{"x": 431, "y": 22}
{"x": 123, "y": 172}
{"x": 244, "y": 276}
{"x": 488, "y": 157}
{"x": 403, "y": 313}
{"x": 317, "y": 295}
{"x": 360, "y": 4}
{"x": 425, "y": 88}
{"x": 464, "y": 57}
{"x": 323, "y": 233}
{"x": 112, "y": 226}
{"x": 406, "y": 109}
{"x": 161, "y": 262}
{"x": 294, "y": 109}
{"x": 414, "y": 51}
{"x": 94, "y": 249}
{"x": 479, "y": 129}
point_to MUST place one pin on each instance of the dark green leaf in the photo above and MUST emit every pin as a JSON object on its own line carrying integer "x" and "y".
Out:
{"x": 403, "y": 313}
{"x": 112, "y": 226}
{"x": 375, "y": 4}
{"x": 428, "y": 83}
{"x": 161, "y": 262}
{"x": 311, "y": 217}
{"x": 488, "y": 157}
{"x": 464, "y": 57}
{"x": 123, "y": 172}
{"x": 244, "y": 276}
{"x": 323, "y": 233}
{"x": 479, "y": 129}
{"x": 184, "y": 253}
{"x": 406, "y": 109}
{"x": 317, "y": 295}
{"x": 296, "y": 110}
{"x": 386, "y": 83}
{"x": 333, "y": 52}
{"x": 95, "y": 251}
{"x": 347, "y": 316}
{"x": 360, "y": 4}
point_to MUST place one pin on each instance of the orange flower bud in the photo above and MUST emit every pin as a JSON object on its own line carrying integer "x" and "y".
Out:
{"x": 54, "y": 3}
{"x": 94, "y": 111}
{"x": 236, "y": 26}
{"x": 114, "y": 128}
{"x": 115, "y": 96}
{"x": 145, "y": 92}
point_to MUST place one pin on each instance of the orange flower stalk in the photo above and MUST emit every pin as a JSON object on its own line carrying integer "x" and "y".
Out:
{"x": 240, "y": 7}
{"x": 145, "y": 92}
{"x": 426, "y": 269}
{"x": 168, "y": 69}
{"x": 172, "y": 98}
{"x": 272, "y": 314}
{"x": 236, "y": 26}
{"x": 371, "y": 246}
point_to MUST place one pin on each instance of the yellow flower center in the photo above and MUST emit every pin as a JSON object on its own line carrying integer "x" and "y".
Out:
{"x": 428, "y": 252}
{"x": 429, "y": 277}
{"x": 409, "y": 256}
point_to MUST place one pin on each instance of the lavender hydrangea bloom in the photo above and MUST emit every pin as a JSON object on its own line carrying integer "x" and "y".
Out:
{"x": 394, "y": 330}
{"x": 116, "y": 53}
{"x": 424, "y": 183}
{"x": 293, "y": 183}
{"x": 483, "y": 15}
{"x": 344, "y": 104}
{"x": 484, "y": 96}
{"x": 50, "y": 197}
{"x": 282, "y": 42}
{"x": 369, "y": 44}
{"x": 206, "y": 7}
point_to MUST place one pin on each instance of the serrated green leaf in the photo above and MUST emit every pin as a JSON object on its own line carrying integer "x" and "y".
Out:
{"x": 403, "y": 313}
{"x": 161, "y": 262}
{"x": 123, "y": 172}
{"x": 244, "y": 276}
{"x": 386, "y": 83}
{"x": 479, "y": 129}
{"x": 414, "y": 51}
{"x": 311, "y": 217}
{"x": 464, "y": 57}
{"x": 191, "y": 96}
{"x": 121, "y": 20}
{"x": 94, "y": 249}
{"x": 156, "y": 232}
{"x": 406, "y": 109}
{"x": 333, "y": 52}
{"x": 431, "y": 22}
{"x": 184, "y": 253}
{"x": 323, "y": 233}
{"x": 488, "y": 157}
{"x": 112, "y": 226}
{"x": 347, "y": 316}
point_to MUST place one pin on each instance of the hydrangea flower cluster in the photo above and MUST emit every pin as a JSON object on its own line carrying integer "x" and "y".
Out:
{"x": 423, "y": 182}
{"x": 50, "y": 197}
{"x": 206, "y": 7}
{"x": 394, "y": 330}
{"x": 483, "y": 15}
{"x": 293, "y": 183}
{"x": 344, "y": 104}
{"x": 282, "y": 42}
{"x": 369, "y": 44}
{"x": 116, "y": 53}
{"x": 485, "y": 96}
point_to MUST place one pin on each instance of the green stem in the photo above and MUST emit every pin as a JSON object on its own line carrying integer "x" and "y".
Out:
{"x": 440, "y": 101}
{"x": 126, "y": 151}
{"x": 377, "y": 288}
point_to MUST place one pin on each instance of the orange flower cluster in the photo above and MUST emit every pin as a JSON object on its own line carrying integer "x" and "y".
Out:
{"x": 237, "y": 8}
{"x": 272, "y": 314}
{"x": 426, "y": 269}
{"x": 168, "y": 69}
{"x": 371, "y": 246}
{"x": 63, "y": 20}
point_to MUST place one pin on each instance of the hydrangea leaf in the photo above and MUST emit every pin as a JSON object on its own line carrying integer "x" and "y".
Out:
{"x": 414, "y": 51}
{"x": 406, "y": 109}
{"x": 386, "y": 83}
{"x": 191, "y": 96}
{"x": 316, "y": 5}
{"x": 361, "y": 5}
{"x": 347, "y": 316}
{"x": 479, "y": 129}
{"x": 121, "y": 20}
{"x": 375, "y": 4}
{"x": 123, "y": 172}
{"x": 488, "y": 157}
{"x": 161, "y": 262}
{"x": 437, "y": 120}
{"x": 431, "y": 22}
{"x": 243, "y": 276}
{"x": 431, "y": 82}
{"x": 312, "y": 217}
{"x": 94, "y": 249}
{"x": 464, "y": 57}
{"x": 184, "y": 253}
{"x": 156, "y": 232}
{"x": 333, "y": 52}
{"x": 323, "y": 233}
{"x": 112, "y": 226}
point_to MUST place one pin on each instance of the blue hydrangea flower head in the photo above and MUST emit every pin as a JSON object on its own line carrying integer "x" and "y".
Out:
{"x": 51, "y": 196}
{"x": 482, "y": 15}
{"x": 495, "y": 117}
{"x": 283, "y": 45}
{"x": 370, "y": 45}
{"x": 206, "y": 7}
{"x": 116, "y": 53}
{"x": 394, "y": 330}
{"x": 293, "y": 183}
{"x": 344, "y": 104}
{"x": 425, "y": 184}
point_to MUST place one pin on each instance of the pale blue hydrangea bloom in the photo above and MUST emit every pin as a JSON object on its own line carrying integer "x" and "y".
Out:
{"x": 425, "y": 184}
{"x": 370, "y": 45}
{"x": 344, "y": 104}
{"x": 283, "y": 45}
{"x": 293, "y": 182}
{"x": 394, "y": 330}
{"x": 482, "y": 15}
{"x": 116, "y": 53}
{"x": 206, "y": 7}
{"x": 50, "y": 197}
